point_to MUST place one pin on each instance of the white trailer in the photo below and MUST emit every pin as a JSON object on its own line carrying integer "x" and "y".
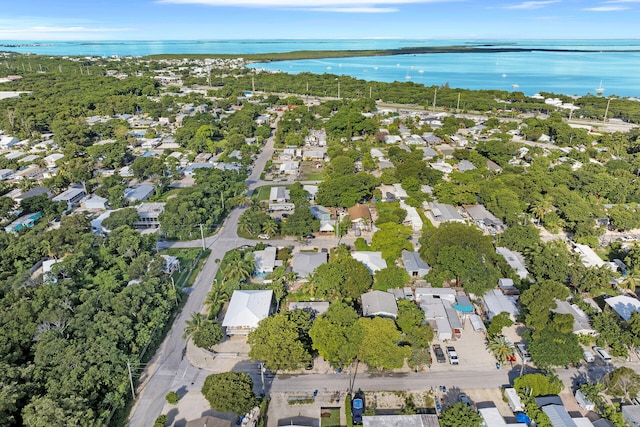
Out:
{"x": 515, "y": 403}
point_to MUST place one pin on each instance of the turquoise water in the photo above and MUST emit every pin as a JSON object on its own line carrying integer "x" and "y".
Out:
{"x": 571, "y": 73}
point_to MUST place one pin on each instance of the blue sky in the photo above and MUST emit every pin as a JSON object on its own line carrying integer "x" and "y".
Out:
{"x": 319, "y": 19}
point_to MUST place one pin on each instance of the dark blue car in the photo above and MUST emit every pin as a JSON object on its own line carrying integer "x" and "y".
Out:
{"x": 357, "y": 407}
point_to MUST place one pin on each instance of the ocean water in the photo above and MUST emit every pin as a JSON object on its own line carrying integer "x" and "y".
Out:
{"x": 615, "y": 63}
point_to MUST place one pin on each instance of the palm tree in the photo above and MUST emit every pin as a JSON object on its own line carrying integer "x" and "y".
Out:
{"x": 541, "y": 206}
{"x": 270, "y": 227}
{"x": 244, "y": 224}
{"x": 215, "y": 298}
{"x": 194, "y": 324}
{"x": 240, "y": 268}
{"x": 502, "y": 348}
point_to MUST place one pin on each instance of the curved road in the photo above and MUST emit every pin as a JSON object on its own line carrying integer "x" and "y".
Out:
{"x": 169, "y": 369}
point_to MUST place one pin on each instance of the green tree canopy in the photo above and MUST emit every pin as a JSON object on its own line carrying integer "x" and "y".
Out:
{"x": 537, "y": 384}
{"x": 379, "y": 347}
{"x": 230, "y": 392}
{"x": 336, "y": 334}
{"x": 460, "y": 415}
{"x": 278, "y": 343}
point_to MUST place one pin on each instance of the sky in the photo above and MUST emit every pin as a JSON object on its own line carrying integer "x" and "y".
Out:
{"x": 318, "y": 19}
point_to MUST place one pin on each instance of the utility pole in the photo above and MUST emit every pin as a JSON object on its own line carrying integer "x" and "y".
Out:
{"x": 606, "y": 111}
{"x": 133, "y": 392}
{"x": 175, "y": 293}
{"x": 202, "y": 236}
{"x": 262, "y": 376}
{"x": 435, "y": 93}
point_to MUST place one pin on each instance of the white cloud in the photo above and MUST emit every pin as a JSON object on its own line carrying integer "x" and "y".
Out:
{"x": 527, "y": 5}
{"x": 605, "y": 9}
{"x": 366, "y": 6}
{"x": 354, "y": 9}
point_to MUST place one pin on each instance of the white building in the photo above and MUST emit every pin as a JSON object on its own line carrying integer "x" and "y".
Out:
{"x": 372, "y": 260}
{"x": 246, "y": 309}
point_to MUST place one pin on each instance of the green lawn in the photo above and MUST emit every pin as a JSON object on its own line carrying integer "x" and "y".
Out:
{"x": 191, "y": 262}
{"x": 333, "y": 420}
{"x": 312, "y": 176}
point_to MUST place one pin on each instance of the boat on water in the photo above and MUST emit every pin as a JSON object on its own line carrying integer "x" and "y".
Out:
{"x": 515, "y": 85}
{"x": 600, "y": 89}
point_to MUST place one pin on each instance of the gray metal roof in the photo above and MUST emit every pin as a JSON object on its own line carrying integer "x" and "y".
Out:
{"x": 379, "y": 303}
{"x": 413, "y": 262}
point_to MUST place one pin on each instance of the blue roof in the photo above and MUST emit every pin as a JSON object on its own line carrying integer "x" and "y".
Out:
{"x": 357, "y": 404}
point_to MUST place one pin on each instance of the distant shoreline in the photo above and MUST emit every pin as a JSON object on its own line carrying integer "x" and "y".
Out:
{"x": 318, "y": 54}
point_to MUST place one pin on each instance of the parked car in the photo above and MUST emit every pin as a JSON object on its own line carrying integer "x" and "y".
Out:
{"x": 437, "y": 350}
{"x": 465, "y": 399}
{"x": 602, "y": 354}
{"x": 589, "y": 357}
{"x": 264, "y": 236}
{"x": 357, "y": 407}
{"x": 453, "y": 356}
{"x": 309, "y": 236}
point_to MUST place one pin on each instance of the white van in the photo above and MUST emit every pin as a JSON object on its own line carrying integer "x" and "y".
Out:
{"x": 524, "y": 354}
{"x": 602, "y": 353}
{"x": 589, "y": 357}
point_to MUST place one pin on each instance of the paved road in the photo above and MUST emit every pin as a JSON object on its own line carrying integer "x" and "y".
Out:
{"x": 169, "y": 369}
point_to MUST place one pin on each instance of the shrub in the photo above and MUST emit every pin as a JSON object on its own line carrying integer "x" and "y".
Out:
{"x": 172, "y": 397}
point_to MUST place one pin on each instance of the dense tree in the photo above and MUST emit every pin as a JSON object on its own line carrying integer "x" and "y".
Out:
{"x": 498, "y": 323}
{"x": 379, "y": 347}
{"x": 121, "y": 217}
{"x": 390, "y": 277}
{"x": 277, "y": 342}
{"x": 539, "y": 300}
{"x": 460, "y": 415}
{"x": 537, "y": 384}
{"x": 623, "y": 382}
{"x": 501, "y": 348}
{"x": 553, "y": 348}
{"x": 336, "y": 335}
{"x": 391, "y": 239}
{"x": 411, "y": 322}
{"x": 342, "y": 277}
{"x": 230, "y": 392}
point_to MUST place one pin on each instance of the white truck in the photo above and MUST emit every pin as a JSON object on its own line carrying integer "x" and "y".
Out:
{"x": 453, "y": 356}
{"x": 513, "y": 399}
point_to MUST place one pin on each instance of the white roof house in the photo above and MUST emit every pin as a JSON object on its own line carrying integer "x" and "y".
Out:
{"x": 70, "y": 196}
{"x": 412, "y": 219}
{"x": 414, "y": 265}
{"x": 589, "y": 258}
{"x": 51, "y": 160}
{"x": 515, "y": 261}
{"x": 379, "y": 303}
{"x": 246, "y": 309}
{"x": 581, "y": 322}
{"x": 95, "y": 202}
{"x": 623, "y": 305}
{"x": 141, "y": 192}
{"x": 304, "y": 263}
{"x": 265, "y": 260}
{"x": 442, "y": 212}
{"x": 372, "y": 260}
{"x": 279, "y": 194}
{"x": 496, "y": 302}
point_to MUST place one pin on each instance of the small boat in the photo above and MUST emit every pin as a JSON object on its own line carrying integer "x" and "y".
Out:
{"x": 600, "y": 89}
{"x": 515, "y": 85}
{"x": 421, "y": 71}
{"x": 504, "y": 75}
{"x": 328, "y": 68}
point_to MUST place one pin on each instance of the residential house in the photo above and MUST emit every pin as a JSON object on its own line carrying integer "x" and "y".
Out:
{"x": 171, "y": 264}
{"x": 149, "y": 215}
{"x": 7, "y": 141}
{"x": 493, "y": 166}
{"x": 25, "y": 221}
{"x": 515, "y": 261}
{"x": 32, "y": 171}
{"x": 209, "y": 421}
{"x": 360, "y": 216}
{"x": 47, "y": 274}
{"x": 442, "y": 166}
{"x": 279, "y": 195}
{"x": 465, "y": 165}
{"x": 399, "y": 192}
{"x": 392, "y": 139}
{"x": 624, "y": 305}
{"x": 95, "y": 202}
{"x": 246, "y": 309}
{"x": 495, "y": 302}
{"x": 413, "y": 218}
{"x": 555, "y": 410}
{"x": 442, "y": 212}
{"x": 484, "y": 219}
{"x": 51, "y": 160}
{"x": 266, "y": 260}
{"x": 507, "y": 287}
{"x": 35, "y": 191}
{"x": 28, "y": 159}
{"x": 193, "y": 167}
{"x": 372, "y": 260}
{"x": 5, "y": 174}
{"x": 437, "y": 304}
{"x": 414, "y": 140}
{"x": 415, "y": 266}
{"x": 316, "y": 308}
{"x": 289, "y": 167}
{"x": 590, "y": 258}
{"x": 431, "y": 139}
{"x": 314, "y": 154}
{"x": 428, "y": 153}
{"x": 139, "y": 193}
{"x": 305, "y": 263}
{"x": 71, "y": 197}
{"x": 379, "y": 303}
{"x": 631, "y": 414}
{"x": 581, "y": 322}
{"x": 312, "y": 190}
